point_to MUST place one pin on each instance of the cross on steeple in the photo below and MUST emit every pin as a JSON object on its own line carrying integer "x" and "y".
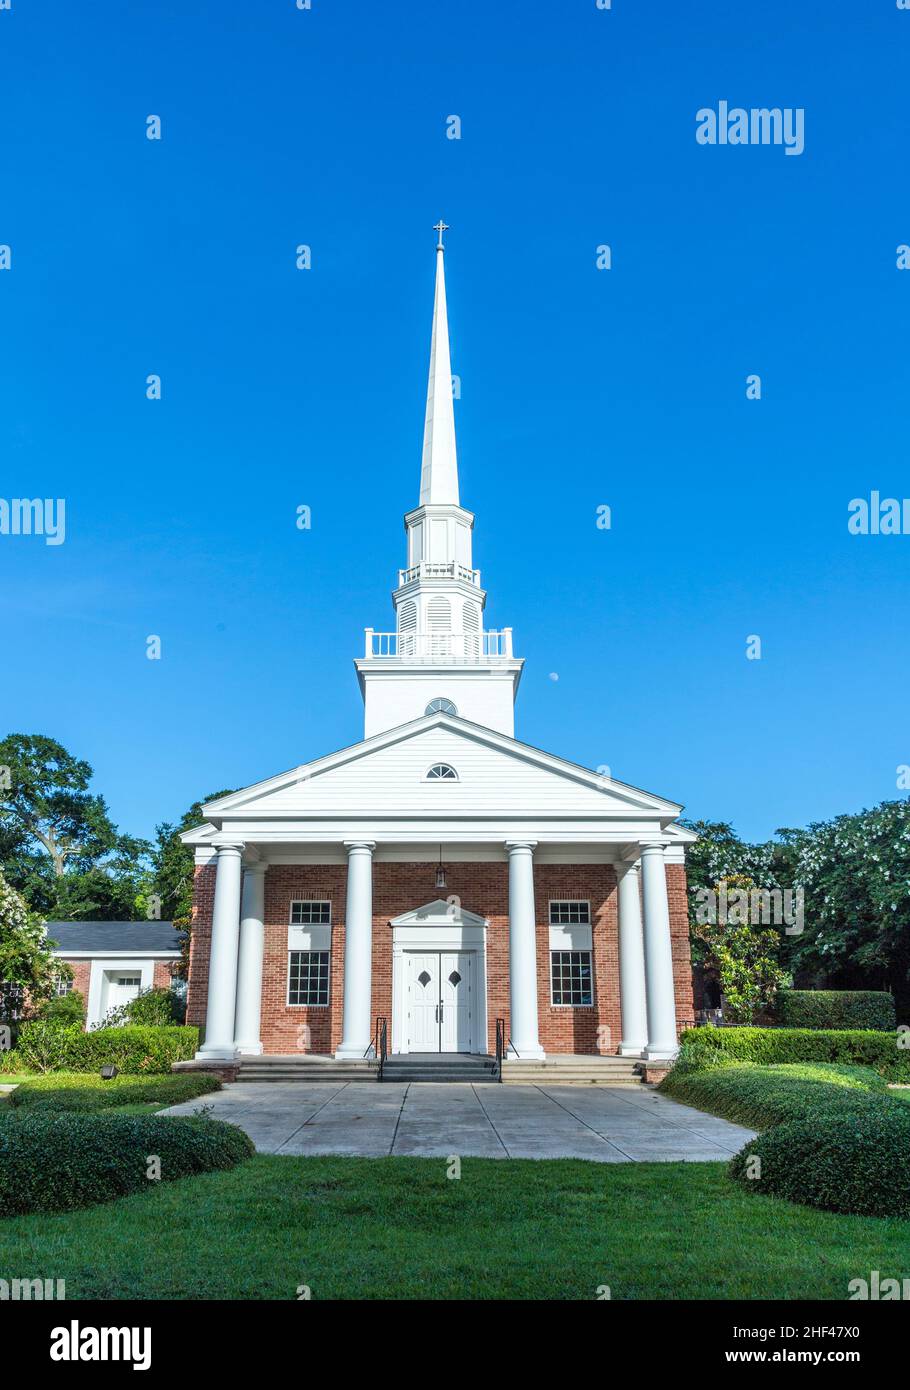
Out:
{"x": 440, "y": 227}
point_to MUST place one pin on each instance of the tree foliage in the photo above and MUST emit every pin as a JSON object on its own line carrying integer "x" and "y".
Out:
{"x": 58, "y": 844}
{"x": 26, "y": 955}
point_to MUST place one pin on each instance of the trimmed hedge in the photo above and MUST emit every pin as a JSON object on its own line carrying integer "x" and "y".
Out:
{"x": 840, "y": 1162}
{"x": 86, "y": 1091}
{"x": 56, "y": 1162}
{"x": 47, "y": 1047}
{"x": 763, "y": 1096}
{"x": 836, "y": 1008}
{"x": 713, "y": 1046}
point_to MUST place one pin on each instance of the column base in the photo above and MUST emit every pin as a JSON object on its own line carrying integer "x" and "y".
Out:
{"x": 216, "y": 1054}
{"x": 352, "y": 1054}
{"x": 659, "y": 1053}
{"x": 526, "y": 1054}
{"x": 633, "y": 1050}
{"x": 248, "y": 1049}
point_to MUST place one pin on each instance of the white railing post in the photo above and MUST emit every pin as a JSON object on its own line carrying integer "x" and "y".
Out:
{"x": 368, "y": 634}
{"x": 507, "y": 635}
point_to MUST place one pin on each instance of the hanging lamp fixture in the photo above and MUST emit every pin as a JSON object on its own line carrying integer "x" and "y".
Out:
{"x": 440, "y": 871}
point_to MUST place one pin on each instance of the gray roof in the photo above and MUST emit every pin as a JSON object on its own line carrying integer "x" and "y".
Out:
{"x": 75, "y": 938}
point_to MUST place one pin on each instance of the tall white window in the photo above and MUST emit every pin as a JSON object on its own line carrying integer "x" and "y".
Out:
{"x": 309, "y": 952}
{"x": 571, "y": 953}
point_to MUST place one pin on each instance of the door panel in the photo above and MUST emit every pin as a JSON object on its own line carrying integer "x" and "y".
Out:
{"x": 457, "y": 994}
{"x": 423, "y": 1001}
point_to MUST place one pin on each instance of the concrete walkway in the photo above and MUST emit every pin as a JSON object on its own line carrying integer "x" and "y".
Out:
{"x": 371, "y": 1120}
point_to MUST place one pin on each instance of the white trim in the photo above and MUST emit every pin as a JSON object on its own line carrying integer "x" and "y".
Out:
{"x": 71, "y": 954}
{"x": 96, "y": 1004}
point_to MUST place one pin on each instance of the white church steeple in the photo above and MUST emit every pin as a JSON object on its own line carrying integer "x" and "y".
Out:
{"x": 439, "y": 470}
{"x": 439, "y": 652}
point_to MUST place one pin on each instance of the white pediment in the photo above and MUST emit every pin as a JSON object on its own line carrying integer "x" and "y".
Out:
{"x": 439, "y": 913}
{"x": 388, "y": 775}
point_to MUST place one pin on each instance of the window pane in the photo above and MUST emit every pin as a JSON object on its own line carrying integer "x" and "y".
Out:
{"x": 308, "y": 977}
{"x": 568, "y": 913}
{"x": 308, "y": 914}
{"x": 571, "y": 977}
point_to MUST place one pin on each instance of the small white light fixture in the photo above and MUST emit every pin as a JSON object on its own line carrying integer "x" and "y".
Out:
{"x": 440, "y": 871}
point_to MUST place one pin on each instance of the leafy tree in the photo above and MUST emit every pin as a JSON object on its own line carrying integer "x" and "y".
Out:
{"x": 58, "y": 844}
{"x": 855, "y": 870}
{"x": 26, "y": 954}
{"x": 48, "y": 803}
{"x": 744, "y": 954}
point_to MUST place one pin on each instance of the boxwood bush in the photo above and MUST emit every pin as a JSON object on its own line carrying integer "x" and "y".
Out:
{"x": 854, "y": 1162}
{"x": 763, "y": 1096}
{"x": 854, "y": 1047}
{"x": 47, "y": 1047}
{"x": 836, "y": 1008}
{"x": 56, "y": 1162}
{"x": 86, "y": 1091}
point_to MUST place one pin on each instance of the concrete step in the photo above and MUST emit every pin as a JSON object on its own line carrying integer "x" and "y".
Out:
{"x": 304, "y": 1069}
{"x": 435, "y": 1066}
{"x": 574, "y": 1071}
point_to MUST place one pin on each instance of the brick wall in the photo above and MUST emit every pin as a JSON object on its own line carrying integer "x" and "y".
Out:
{"x": 481, "y": 888}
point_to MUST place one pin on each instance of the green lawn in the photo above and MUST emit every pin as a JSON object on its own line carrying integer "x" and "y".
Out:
{"x": 397, "y": 1228}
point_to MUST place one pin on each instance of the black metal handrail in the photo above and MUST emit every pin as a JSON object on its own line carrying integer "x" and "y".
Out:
{"x": 381, "y": 1045}
{"x": 500, "y": 1047}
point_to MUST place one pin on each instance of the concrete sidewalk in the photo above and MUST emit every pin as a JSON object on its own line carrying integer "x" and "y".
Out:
{"x": 372, "y": 1120}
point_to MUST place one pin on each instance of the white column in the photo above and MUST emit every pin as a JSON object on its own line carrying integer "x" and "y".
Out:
{"x": 632, "y": 993}
{"x": 662, "y": 1040}
{"x": 222, "y": 996}
{"x": 523, "y": 950}
{"x": 247, "y": 1041}
{"x": 356, "y": 1024}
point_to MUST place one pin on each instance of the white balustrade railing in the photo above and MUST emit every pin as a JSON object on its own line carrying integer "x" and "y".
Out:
{"x": 428, "y": 570}
{"x": 431, "y": 647}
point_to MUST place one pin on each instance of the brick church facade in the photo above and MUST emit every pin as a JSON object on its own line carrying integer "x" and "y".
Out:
{"x": 440, "y": 874}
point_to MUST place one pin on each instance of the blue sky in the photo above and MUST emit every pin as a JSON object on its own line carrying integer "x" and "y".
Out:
{"x": 284, "y": 387}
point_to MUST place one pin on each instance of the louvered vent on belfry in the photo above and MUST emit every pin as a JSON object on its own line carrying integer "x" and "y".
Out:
{"x": 439, "y": 615}
{"x": 471, "y": 624}
{"x": 439, "y": 626}
{"x": 407, "y": 627}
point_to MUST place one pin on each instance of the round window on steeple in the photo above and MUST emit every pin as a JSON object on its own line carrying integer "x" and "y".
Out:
{"x": 440, "y": 706}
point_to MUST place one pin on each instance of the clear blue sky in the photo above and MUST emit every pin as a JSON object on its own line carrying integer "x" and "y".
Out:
{"x": 283, "y": 387}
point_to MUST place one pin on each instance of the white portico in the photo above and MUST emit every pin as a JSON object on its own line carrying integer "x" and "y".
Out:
{"x": 440, "y": 873}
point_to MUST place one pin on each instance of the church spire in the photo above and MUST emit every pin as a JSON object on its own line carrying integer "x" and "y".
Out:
{"x": 439, "y": 469}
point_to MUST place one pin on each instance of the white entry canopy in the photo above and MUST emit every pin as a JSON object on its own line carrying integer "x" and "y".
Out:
{"x": 440, "y": 913}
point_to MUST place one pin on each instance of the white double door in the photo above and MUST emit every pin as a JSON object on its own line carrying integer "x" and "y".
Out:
{"x": 440, "y": 986}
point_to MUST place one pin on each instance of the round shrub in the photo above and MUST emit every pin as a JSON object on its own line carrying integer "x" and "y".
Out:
{"x": 853, "y": 1163}
{"x": 86, "y": 1091}
{"x": 56, "y": 1162}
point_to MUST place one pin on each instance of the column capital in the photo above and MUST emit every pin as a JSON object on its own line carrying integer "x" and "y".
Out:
{"x": 652, "y": 846}
{"x": 228, "y": 846}
{"x": 368, "y": 845}
{"x": 529, "y": 845}
{"x": 623, "y": 867}
{"x": 256, "y": 866}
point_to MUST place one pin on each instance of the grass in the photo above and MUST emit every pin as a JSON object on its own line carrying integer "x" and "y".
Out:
{"x": 398, "y": 1228}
